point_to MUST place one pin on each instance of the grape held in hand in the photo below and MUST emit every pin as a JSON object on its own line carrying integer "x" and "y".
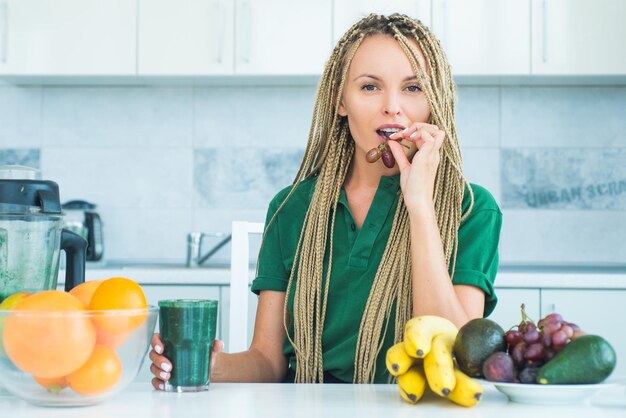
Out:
{"x": 388, "y": 159}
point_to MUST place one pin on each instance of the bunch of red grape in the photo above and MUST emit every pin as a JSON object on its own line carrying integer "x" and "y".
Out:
{"x": 531, "y": 346}
{"x": 383, "y": 151}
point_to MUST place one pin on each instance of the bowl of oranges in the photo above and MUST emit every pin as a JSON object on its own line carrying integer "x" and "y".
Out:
{"x": 74, "y": 348}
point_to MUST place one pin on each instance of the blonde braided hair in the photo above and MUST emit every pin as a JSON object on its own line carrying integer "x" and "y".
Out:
{"x": 328, "y": 154}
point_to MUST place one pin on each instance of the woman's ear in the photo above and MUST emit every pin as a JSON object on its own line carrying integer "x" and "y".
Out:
{"x": 342, "y": 109}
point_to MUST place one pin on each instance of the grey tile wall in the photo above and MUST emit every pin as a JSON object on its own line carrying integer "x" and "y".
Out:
{"x": 20, "y": 117}
{"x": 252, "y": 116}
{"x": 20, "y": 156}
{"x": 117, "y": 117}
{"x": 478, "y": 117}
{"x": 585, "y": 117}
{"x": 564, "y": 178}
{"x": 245, "y": 178}
{"x": 163, "y": 161}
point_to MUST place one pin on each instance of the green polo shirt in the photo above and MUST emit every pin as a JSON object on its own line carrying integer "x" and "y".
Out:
{"x": 356, "y": 256}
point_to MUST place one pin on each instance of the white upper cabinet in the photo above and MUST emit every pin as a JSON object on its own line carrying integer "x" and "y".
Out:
{"x": 191, "y": 37}
{"x": 348, "y": 12}
{"x": 287, "y": 37}
{"x": 579, "y": 37}
{"x": 484, "y": 37}
{"x": 281, "y": 37}
{"x": 68, "y": 37}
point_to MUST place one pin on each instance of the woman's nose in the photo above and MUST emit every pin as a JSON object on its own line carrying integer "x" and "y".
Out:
{"x": 391, "y": 106}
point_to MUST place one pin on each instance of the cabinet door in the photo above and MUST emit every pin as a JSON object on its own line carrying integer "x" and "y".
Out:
{"x": 598, "y": 312}
{"x": 282, "y": 36}
{"x": 68, "y": 37}
{"x": 578, "y": 37}
{"x": 154, "y": 293}
{"x": 348, "y": 12}
{"x": 484, "y": 37}
{"x": 189, "y": 37}
{"x": 508, "y": 312}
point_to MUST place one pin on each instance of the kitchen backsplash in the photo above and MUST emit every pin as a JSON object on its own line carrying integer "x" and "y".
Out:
{"x": 163, "y": 161}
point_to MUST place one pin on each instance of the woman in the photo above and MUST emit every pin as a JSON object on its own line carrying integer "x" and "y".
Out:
{"x": 360, "y": 247}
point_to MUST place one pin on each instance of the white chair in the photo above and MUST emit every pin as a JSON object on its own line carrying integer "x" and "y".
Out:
{"x": 239, "y": 282}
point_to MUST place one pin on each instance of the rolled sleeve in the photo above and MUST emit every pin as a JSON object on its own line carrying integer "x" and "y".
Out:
{"x": 477, "y": 254}
{"x": 271, "y": 272}
{"x": 268, "y": 283}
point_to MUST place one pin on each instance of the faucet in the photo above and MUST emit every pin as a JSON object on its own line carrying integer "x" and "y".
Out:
{"x": 194, "y": 246}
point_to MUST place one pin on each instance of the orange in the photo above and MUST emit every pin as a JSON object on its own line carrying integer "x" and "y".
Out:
{"x": 53, "y": 385}
{"x": 9, "y": 302}
{"x": 101, "y": 372}
{"x": 118, "y": 293}
{"x": 111, "y": 340}
{"x": 84, "y": 291}
{"x": 7, "y": 305}
{"x": 48, "y": 334}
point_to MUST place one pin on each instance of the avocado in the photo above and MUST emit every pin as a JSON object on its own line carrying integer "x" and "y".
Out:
{"x": 475, "y": 342}
{"x": 586, "y": 359}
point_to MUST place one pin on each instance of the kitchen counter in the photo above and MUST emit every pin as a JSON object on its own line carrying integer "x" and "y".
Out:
{"x": 572, "y": 277}
{"x": 285, "y": 400}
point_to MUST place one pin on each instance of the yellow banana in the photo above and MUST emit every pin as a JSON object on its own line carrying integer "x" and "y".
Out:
{"x": 419, "y": 332}
{"x": 439, "y": 366}
{"x": 397, "y": 360}
{"x": 412, "y": 384}
{"x": 467, "y": 391}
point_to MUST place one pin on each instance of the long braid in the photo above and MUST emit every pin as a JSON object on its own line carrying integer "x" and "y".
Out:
{"x": 328, "y": 154}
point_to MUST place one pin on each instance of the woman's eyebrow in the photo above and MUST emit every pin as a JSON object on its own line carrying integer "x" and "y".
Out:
{"x": 408, "y": 78}
{"x": 368, "y": 76}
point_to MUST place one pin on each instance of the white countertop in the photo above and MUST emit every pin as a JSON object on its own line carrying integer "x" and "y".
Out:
{"x": 177, "y": 274}
{"x": 301, "y": 401}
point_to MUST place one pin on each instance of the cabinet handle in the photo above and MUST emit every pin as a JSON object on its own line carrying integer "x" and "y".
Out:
{"x": 246, "y": 20}
{"x": 544, "y": 31}
{"x": 4, "y": 31}
{"x": 218, "y": 19}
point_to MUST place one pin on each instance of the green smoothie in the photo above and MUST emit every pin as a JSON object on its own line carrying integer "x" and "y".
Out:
{"x": 188, "y": 328}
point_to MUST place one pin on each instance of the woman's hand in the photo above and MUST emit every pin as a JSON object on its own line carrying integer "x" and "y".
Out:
{"x": 417, "y": 177}
{"x": 161, "y": 366}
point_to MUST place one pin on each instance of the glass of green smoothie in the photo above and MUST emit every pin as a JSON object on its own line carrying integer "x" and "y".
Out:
{"x": 188, "y": 329}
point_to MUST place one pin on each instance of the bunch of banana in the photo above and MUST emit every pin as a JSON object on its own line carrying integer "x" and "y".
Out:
{"x": 425, "y": 358}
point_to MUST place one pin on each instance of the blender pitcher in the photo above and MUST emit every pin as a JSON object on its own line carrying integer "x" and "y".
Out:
{"x": 31, "y": 235}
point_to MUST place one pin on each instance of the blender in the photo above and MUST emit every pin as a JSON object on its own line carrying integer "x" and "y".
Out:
{"x": 32, "y": 235}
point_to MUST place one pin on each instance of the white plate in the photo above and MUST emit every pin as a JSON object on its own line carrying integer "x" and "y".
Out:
{"x": 550, "y": 394}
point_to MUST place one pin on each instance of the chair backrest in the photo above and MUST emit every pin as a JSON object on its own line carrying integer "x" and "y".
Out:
{"x": 239, "y": 281}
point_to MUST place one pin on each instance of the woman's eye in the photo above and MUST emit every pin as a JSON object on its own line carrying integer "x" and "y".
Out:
{"x": 414, "y": 88}
{"x": 369, "y": 87}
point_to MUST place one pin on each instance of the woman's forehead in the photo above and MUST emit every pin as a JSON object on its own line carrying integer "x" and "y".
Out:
{"x": 383, "y": 51}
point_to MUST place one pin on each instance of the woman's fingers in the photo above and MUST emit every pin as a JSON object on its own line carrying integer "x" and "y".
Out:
{"x": 158, "y": 384}
{"x": 156, "y": 343}
{"x": 398, "y": 153}
{"x": 218, "y": 346}
{"x": 431, "y": 144}
{"x": 421, "y": 135}
{"x": 414, "y": 127}
{"x": 161, "y": 363}
{"x": 159, "y": 373}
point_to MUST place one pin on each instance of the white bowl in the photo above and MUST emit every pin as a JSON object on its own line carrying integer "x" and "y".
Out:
{"x": 550, "y": 394}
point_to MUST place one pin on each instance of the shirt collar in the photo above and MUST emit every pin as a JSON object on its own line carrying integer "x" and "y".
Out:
{"x": 391, "y": 184}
